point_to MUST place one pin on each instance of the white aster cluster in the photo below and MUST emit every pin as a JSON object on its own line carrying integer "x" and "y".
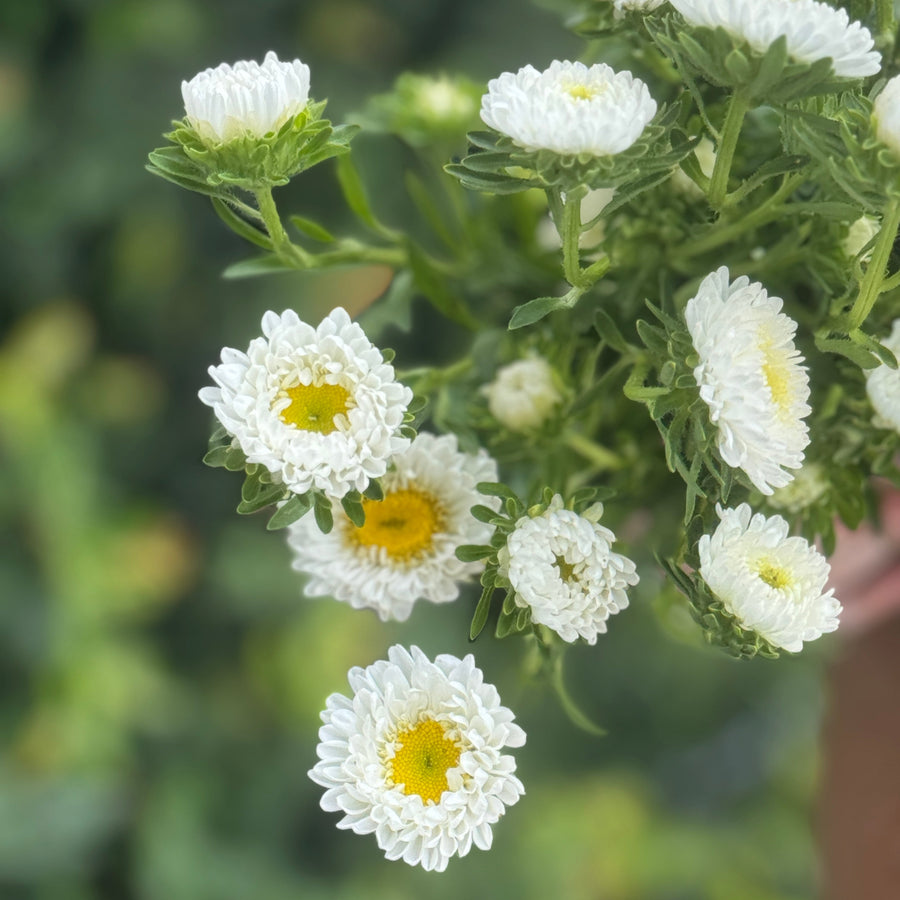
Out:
{"x": 523, "y": 394}
{"x": 886, "y": 115}
{"x": 561, "y": 565}
{"x": 883, "y": 385}
{"x": 416, "y": 757}
{"x": 569, "y": 108}
{"x": 771, "y": 583}
{"x": 247, "y": 98}
{"x": 812, "y": 30}
{"x": 406, "y": 549}
{"x": 750, "y": 376}
{"x": 318, "y": 407}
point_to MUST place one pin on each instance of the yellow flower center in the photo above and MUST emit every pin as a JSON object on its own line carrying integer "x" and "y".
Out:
{"x": 774, "y": 575}
{"x": 566, "y": 569}
{"x": 583, "y": 91}
{"x": 313, "y": 407}
{"x": 776, "y": 370}
{"x": 403, "y": 523}
{"x": 423, "y": 757}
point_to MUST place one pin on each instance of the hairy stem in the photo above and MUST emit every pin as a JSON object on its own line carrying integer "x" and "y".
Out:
{"x": 873, "y": 280}
{"x": 731, "y": 130}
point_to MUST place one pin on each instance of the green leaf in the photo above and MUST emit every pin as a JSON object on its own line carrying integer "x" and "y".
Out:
{"x": 312, "y": 229}
{"x": 322, "y": 512}
{"x": 473, "y": 552}
{"x": 535, "y": 310}
{"x": 235, "y": 459}
{"x": 259, "y": 265}
{"x": 496, "y": 489}
{"x": 217, "y": 456}
{"x": 355, "y": 194}
{"x": 487, "y": 183}
{"x": 241, "y": 227}
{"x": 482, "y": 610}
{"x": 609, "y": 331}
{"x": 298, "y": 505}
{"x": 484, "y": 514}
{"x": 352, "y": 505}
{"x": 266, "y": 496}
{"x": 434, "y": 286}
{"x": 373, "y": 491}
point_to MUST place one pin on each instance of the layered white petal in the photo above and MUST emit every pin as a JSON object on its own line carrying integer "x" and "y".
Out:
{"x": 886, "y": 115}
{"x": 245, "y": 98}
{"x": 374, "y": 575}
{"x": 250, "y": 401}
{"x": 750, "y": 376}
{"x": 883, "y": 385}
{"x": 523, "y": 394}
{"x": 771, "y": 583}
{"x": 813, "y": 30}
{"x": 561, "y": 565}
{"x": 569, "y": 108}
{"x": 358, "y": 743}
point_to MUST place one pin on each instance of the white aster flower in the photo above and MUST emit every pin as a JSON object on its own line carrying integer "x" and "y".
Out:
{"x": 813, "y": 30}
{"x": 883, "y": 385}
{"x": 406, "y": 549}
{"x": 415, "y": 757}
{"x": 750, "y": 376}
{"x": 886, "y": 115}
{"x": 561, "y": 565}
{"x": 809, "y": 485}
{"x": 858, "y": 235}
{"x": 569, "y": 108}
{"x": 246, "y": 98}
{"x": 771, "y": 583}
{"x": 318, "y": 407}
{"x": 523, "y": 394}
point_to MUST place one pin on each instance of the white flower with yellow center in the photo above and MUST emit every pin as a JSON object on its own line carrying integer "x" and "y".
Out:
{"x": 569, "y": 108}
{"x": 247, "y": 98}
{"x": 812, "y": 30}
{"x": 883, "y": 385}
{"x": 406, "y": 549}
{"x": 750, "y": 376}
{"x": 523, "y": 394}
{"x": 771, "y": 583}
{"x": 561, "y": 565}
{"x": 318, "y": 407}
{"x": 886, "y": 115}
{"x": 415, "y": 756}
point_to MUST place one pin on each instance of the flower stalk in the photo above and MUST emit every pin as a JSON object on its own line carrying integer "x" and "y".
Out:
{"x": 873, "y": 281}
{"x": 731, "y": 130}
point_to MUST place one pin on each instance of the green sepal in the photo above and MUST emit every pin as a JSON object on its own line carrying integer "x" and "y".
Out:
{"x": 353, "y": 507}
{"x": 322, "y": 512}
{"x": 296, "y": 506}
{"x": 720, "y": 627}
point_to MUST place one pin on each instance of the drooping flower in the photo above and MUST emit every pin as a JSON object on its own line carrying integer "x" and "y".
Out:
{"x": 405, "y": 550}
{"x": 750, "y": 376}
{"x": 883, "y": 385}
{"x": 886, "y": 115}
{"x": 415, "y": 756}
{"x": 569, "y": 108}
{"x": 318, "y": 407}
{"x": 523, "y": 394}
{"x": 771, "y": 583}
{"x": 247, "y": 98}
{"x": 812, "y": 30}
{"x": 562, "y": 567}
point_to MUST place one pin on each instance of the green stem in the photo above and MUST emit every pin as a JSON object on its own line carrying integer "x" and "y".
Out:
{"x": 283, "y": 246}
{"x": 601, "y": 457}
{"x": 767, "y": 211}
{"x": 731, "y": 130}
{"x": 884, "y": 16}
{"x": 873, "y": 280}
{"x": 571, "y": 234}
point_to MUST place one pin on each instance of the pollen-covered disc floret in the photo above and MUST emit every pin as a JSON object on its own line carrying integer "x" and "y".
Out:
{"x": 562, "y": 567}
{"x": 415, "y": 756}
{"x": 883, "y": 385}
{"x": 750, "y": 376}
{"x": 569, "y": 108}
{"x": 886, "y": 115}
{"x": 318, "y": 407}
{"x": 812, "y": 30}
{"x": 247, "y": 98}
{"x": 523, "y": 394}
{"x": 771, "y": 583}
{"x": 406, "y": 550}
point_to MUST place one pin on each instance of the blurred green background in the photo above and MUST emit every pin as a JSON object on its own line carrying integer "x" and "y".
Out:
{"x": 160, "y": 674}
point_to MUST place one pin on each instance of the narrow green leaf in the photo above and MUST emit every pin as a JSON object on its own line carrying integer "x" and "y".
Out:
{"x": 374, "y": 491}
{"x": 609, "y": 331}
{"x": 353, "y": 507}
{"x": 312, "y": 229}
{"x": 495, "y": 489}
{"x": 535, "y": 310}
{"x": 259, "y": 265}
{"x": 473, "y": 552}
{"x": 484, "y": 514}
{"x": 240, "y": 226}
{"x": 298, "y": 505}
{"x": 322, "y": 512}
{"x": 268, "y": 495}
{"x": 482, "y": 610}
{"x": 217, "y": 456}
{"x": 436, "y": 290}
{"x": 355, "y": 193}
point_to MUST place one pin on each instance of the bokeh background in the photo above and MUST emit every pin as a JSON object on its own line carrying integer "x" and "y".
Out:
{"x": 160, "y": 673}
